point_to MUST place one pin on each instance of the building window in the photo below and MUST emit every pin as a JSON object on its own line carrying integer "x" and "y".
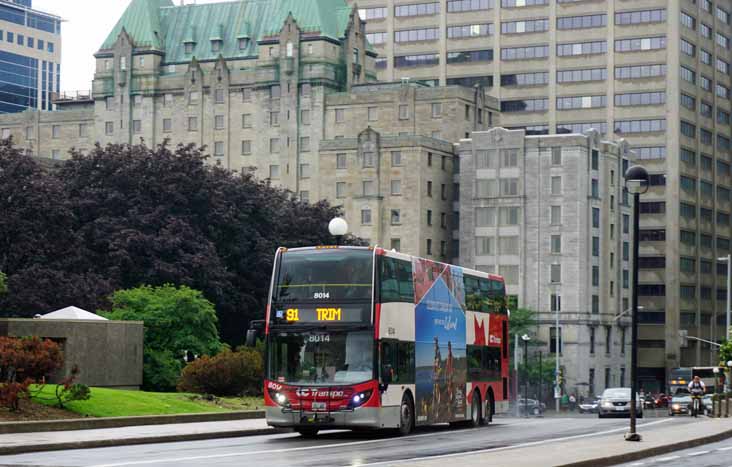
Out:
{"x": 368, "y": 188}
{"x": 193, "y": 97}
{"x": 582, "y": 48}
{"x": 246, "y": 120}
{"x": 396, "y": 187}
{"x": 596, "y": 246}
{"x": 304, "y": 170}
{"x": 396, "y": 217}
{"x": 556, "y": 241}
{"x": 341, "y": 161}
{"x": 219, "y": 149}
{"x": 274, "y": 145}
{"x": 219, "y": 96}
{"x": 525, "y": 26}
{"x": 340, "y": 190}
{"x": 192, "y": 123}
{"x": 56, "y": 131}
{"x": 274, "y": 171}
{"x": 429, "y": 246}
{"x": 555, "y": 302}
{"x": 246, "y": 94}
{"x": 595, "y": 276}
{"x": 582, "y": 22}
{"x": 219, "y": 122}
{"x": 246, "y": 147}
{"x": 556, "y": 185}
{"x": 373, "y": 114}
{"x": 340, "y": 115}
{"x": 108, "y": 128}
{"x": 305, "y": 143}
{"x": 275, "y": 91}
{"x": 403, "y": 112}
{"x": 429, "y": 217}
{"x": 274, "y": 119}
{"x": 556, "y": 273}
{"x": 641, "y": 43}
{"x": 592, "y": 340}
{"x": 369, "y": 159}
{"x": 83, "y": 130}
{"x": 556, "y": 215}
{"x": 555, "y": 339}
{"x": 167, "y": 125}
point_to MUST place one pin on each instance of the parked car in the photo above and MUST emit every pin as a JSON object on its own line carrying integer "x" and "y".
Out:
{"x": 616, "y": 402}
{"x": 589, "y": 405}
{"x": 680, "y": 404}
{"x": 531, "y": 406}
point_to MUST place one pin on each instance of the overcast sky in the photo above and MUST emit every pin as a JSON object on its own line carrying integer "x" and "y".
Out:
{"x": 86, "y": 24}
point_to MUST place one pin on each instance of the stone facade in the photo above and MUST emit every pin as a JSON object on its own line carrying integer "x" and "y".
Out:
{"x": 108, "y": 353}
{"x": 548, "y": 213}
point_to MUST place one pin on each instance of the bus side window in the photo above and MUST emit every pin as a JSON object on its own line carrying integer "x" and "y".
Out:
{"x": 472, "y": 293}
{"x": 485, "y": 295}
{"x": 396, "y": 281}
{"x": 388, "y": 359}
{"x": 405, "y": 364}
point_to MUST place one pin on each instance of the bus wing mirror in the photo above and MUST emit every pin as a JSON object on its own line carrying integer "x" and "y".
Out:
{"x": 254, "y": 331}
{"x": 251, "y": 339}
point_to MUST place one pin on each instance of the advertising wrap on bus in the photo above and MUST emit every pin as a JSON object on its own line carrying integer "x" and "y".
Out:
{"x": 363, "y": 337}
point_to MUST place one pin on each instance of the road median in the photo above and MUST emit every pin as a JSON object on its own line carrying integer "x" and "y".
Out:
{"x": 91, "y": 423}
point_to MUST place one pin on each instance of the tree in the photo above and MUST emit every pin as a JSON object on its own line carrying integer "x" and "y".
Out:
{"x": 3, "y": 283}
{"x": 522, "y": 321}
{"x": 125, "y": 216}
{"x": 24, "y": 361}
{"x": 177, "y": 320}
{"x": 725, "y": 353}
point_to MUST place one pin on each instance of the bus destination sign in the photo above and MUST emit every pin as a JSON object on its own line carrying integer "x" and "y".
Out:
{"x": 321, "y": 314}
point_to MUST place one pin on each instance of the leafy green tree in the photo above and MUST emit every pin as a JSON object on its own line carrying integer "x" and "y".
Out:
{"x": 725, "y": 353}
{"x": 3, "y": 283}
{"x": 177, "y": 320}
{"x": 522, "y": 321}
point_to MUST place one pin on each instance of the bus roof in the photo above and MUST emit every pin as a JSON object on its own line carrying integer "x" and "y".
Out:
{"x": 395, "y": 254}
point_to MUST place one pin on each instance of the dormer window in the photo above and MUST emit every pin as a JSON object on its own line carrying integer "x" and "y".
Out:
{"x": 216, "y": 45}
{"x": 243, "y": 43}
{"x": 123, "y": 63}
{"x": 189, "y": 46}
{"x": 290, "y": 49}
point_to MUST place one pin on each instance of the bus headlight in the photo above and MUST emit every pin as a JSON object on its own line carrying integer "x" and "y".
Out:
{"x": 360, "y": 398}
{"x": 279, "y": 398}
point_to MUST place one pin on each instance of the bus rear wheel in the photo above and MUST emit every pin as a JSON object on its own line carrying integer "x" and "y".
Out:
{"x": 308, "y": 432}
{"x": 476, "y": 411}
{"x": 406, "y": 415}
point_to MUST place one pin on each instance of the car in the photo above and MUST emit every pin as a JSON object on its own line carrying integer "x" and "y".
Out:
{"x": 662, "y": 400}
{"x": 680, "y": 404}
{"x": 616, "y": 402}
{"x": 589, "y": 405}
{"x": 531, "y": 406}
{"x": 649, "y": 402}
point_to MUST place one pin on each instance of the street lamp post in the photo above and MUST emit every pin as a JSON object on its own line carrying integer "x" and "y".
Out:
{"x": 526, "y": 340}
{"x": 636, "y": 182}
{"x": 338, "y": 227}
{"x": 728, "y": 259}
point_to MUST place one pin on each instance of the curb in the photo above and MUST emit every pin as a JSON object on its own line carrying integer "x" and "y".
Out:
{"x": 650, "y": 452}
{"x": 104, "y": 443}
{"x": 91, "y": 423}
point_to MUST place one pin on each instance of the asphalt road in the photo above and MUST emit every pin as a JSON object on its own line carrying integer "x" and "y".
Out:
{"x": 709, "y": 455}
{"x": 338, "y": 448}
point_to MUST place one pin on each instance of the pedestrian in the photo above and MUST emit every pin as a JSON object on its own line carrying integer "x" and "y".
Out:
{"x": 572, "y": 402}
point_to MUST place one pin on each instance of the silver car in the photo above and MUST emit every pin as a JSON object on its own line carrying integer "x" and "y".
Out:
{"x": 615, "y": 402}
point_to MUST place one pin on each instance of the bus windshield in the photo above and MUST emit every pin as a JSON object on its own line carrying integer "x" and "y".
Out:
{"x": 307, "y": 358}
{"x": 324, "y": 275}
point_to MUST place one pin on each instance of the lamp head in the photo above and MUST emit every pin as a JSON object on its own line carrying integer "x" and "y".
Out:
{"x": 636, "y": 180}
{"x": 525, "y": 338}
{"x": 338, "y": 227}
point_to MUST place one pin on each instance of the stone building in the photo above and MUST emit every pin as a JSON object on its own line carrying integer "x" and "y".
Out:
{"x": 656, "y": 73}
{"x": 265, "y": 85}
{"x": 549, "y": 213}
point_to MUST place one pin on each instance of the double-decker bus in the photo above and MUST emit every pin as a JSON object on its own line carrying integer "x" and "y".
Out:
{"x": 361, "y": 337}
{"x": 679, "y": 378}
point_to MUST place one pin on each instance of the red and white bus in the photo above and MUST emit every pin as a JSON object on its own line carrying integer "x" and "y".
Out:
{"x": 362, "y": 337}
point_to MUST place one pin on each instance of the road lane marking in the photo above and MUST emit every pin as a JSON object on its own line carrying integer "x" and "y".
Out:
{"x": 698, "y": 453}
{"x": 725, "y": 449}
{"x": 515, "y": 446}
{"x": 371, "y": 441}
{"x": 666, "y": 459}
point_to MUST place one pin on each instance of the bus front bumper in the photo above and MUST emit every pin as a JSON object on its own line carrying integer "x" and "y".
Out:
{"x": 364, "y": 417}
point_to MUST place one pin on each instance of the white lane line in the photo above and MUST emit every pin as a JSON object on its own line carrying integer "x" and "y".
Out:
{"x": 725, "y": 449}
{"x": 669, "y": 458}
{"x": 359, "y": 443}
{"x": 507, "y": 448}
{"x": 638, "y": 463}
{"x": 698, "y": 453}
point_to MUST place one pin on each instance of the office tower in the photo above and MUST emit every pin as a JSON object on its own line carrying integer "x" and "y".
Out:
{"x": 30, "y": 57}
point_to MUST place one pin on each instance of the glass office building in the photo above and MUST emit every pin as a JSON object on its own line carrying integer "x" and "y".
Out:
{"x": 30, "y": 56}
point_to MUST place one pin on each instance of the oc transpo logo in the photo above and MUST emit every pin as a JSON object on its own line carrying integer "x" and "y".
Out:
{"x": 314, "y": 392}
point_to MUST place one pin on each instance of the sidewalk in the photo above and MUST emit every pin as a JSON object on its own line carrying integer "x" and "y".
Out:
{"x": 19, "y": 443}
{"x": 593, "y": 451}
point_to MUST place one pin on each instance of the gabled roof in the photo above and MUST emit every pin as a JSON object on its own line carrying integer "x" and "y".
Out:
{"x": 141, "y": 20}
{"x": 72, "y": 312}
{"x": 252, "y": 19}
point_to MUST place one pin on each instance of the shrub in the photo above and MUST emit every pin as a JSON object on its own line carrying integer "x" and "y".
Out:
{"x": 24, "y": 361}
{"x": 226, "y": 374}
{"x": 69, "y": 391}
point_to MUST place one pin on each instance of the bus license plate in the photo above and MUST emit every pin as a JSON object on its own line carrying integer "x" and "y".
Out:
{"x": 319, "y": 406}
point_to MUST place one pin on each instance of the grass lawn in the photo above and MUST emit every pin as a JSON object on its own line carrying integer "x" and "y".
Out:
{"x": 121, "y": 403}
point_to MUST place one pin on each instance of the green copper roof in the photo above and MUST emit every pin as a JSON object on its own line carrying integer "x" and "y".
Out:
{"x": 253, "y": 19}
{"x": 141, "y": 20}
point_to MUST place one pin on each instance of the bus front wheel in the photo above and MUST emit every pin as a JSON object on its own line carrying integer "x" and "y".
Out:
{"x": 406, "y": 415}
